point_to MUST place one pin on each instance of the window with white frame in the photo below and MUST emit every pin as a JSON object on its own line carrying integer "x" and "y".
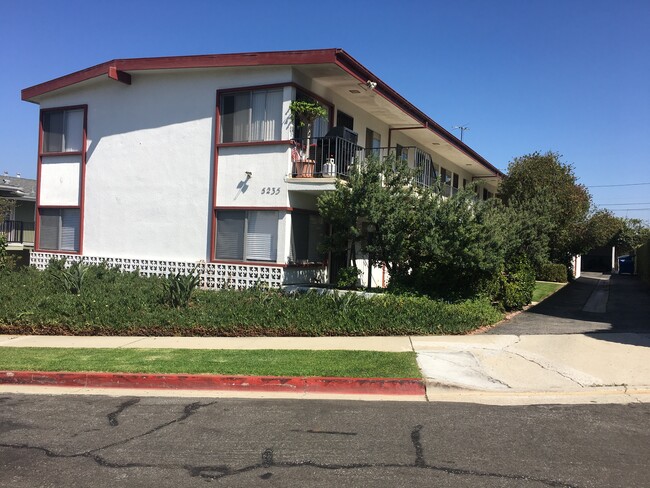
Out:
{"x": 251, "y": 116}
{"x": 247, "y": 235}
{"x": 306, "y": 235}
{"x": 59, "y": 229}
{"x": 63, "y": 130}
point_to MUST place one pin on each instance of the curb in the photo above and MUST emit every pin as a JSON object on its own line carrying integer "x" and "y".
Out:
{"x": 358, "y": 386}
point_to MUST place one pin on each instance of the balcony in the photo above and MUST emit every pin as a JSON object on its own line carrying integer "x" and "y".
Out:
{"x": 332, "y": 157}
{"x": 324, "y": 157}
{"x": 17, "y": 231}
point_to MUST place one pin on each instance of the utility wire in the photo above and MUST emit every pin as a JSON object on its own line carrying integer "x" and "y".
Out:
{"x": 607, "y": 204}
{"x": 623, "y": 184}
{"x": 630, "y": 209}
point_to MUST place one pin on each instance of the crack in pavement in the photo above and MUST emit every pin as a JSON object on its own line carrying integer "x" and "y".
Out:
{"x": 545, "y": 367}
{"x": 220, "y": 471}
{"x": 331, "y": 432}
{"x": 417, "y": 444}
{"x": 112, "y": 417}
{"x": 626, "y": 392}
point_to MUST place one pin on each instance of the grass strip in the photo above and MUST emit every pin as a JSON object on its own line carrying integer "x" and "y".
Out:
{"x": 545, "y": 289}
{"x": 263, "y": 362}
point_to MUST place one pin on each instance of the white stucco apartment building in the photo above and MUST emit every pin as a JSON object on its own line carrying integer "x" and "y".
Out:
{"x": 159, "y": 163}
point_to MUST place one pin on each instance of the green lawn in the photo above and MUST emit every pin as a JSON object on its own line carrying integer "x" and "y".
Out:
{"x": 361, "y": 364}
{"x": 543, "y": 289}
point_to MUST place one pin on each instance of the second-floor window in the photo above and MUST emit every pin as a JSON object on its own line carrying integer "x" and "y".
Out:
{"x": 373, "y": 141}
{"x": 251, "y": 116}
{"x": 63, "y": 130}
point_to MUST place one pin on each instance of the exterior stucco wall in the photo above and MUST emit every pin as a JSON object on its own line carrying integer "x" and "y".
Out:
{"x": 150, "y": 155}
{"x": 60, "y": 180}
{"x": 266, "y": 187}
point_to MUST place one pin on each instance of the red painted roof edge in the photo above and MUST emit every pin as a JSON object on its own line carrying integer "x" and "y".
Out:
{"x": 364, "y": 74}
{"x": 315, "y": 56}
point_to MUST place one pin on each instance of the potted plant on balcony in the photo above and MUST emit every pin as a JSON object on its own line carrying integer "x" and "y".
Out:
{"x": 306, "y": 112}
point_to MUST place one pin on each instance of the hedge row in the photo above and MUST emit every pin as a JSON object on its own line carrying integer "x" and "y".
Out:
{"x": 557, "y": 273}
{"x": 127, "y": 304}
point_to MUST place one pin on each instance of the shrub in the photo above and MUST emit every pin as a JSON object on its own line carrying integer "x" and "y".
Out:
{"x": 557, "y": 273}
{"x": 178, "y": 288}
{"x": 71, "y": 279}
{"x": 128, "y": 304}
{"x": 6, "y": 260}
{"x": 348, "y": 277}
{"x": 517, "y": 286}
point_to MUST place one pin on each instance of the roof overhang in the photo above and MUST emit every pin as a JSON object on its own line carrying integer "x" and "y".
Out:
{"x": 380, "y": 99}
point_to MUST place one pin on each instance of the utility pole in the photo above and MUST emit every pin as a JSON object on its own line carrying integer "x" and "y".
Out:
{"x": 462, "y": 129}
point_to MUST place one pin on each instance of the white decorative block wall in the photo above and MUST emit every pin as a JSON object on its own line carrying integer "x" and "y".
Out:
{"x": 213, "y": 275}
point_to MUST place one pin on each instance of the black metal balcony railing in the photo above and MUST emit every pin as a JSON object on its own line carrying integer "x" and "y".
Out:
{"x": 334, "y": 156}
{"x": 327, "y": 157}
{"x": 17, "y": 231}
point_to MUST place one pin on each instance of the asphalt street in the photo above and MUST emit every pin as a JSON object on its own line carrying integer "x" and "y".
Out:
{"x": 99, "y": 441}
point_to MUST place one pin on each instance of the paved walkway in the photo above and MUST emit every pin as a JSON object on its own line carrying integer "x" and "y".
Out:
{"x": 496, "y": 369}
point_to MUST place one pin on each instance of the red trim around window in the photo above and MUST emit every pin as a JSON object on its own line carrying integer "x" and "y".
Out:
{"x": 82, "y": 178}
{"x": 270, "y": 209}
{"x": 218, "y": 145}
{"x": 254, "y": 143}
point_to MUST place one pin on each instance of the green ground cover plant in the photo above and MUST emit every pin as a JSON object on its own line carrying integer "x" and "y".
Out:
{"x": 544, "y": 289}
{"x": 264, "y": 362}
{"x": 112, "y": 303}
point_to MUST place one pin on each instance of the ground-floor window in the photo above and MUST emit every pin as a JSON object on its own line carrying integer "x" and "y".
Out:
{"x": 306, "y": 235}
{"x": 59, "y": 229}
{"x": 247, "y": 235}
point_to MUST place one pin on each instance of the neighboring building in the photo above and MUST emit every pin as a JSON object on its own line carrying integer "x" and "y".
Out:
{"x": 158, "y": 163}
{"x": 18, "y": 225}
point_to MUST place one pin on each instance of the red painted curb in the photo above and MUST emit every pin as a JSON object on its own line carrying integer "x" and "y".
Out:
{"x": 367, "y": 386}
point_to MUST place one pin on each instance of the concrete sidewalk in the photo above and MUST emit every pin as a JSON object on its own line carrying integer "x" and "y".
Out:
{"x": 494, "y": 369}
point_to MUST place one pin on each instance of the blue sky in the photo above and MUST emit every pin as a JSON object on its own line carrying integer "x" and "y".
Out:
{"x": 570, "y": 76}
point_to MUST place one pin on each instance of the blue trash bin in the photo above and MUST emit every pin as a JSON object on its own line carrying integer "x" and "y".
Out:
{"x": 626, "y": 265}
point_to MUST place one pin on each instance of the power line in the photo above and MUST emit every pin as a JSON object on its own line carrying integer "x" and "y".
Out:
{"x": 608, "y": 204}
{"x": 623, "y": 184}
{"x": 631, "y": 209}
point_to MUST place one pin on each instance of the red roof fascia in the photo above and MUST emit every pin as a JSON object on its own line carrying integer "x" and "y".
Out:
{"x": 180, "y": 62}
{"x": 356, "y": 69}
{"x": 118, "y": 68}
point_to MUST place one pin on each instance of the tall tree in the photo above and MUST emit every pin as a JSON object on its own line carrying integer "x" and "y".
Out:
{"x": 603, "y": 229}
{"x": 546, "y": 191}
{"x": 444, "y": 247}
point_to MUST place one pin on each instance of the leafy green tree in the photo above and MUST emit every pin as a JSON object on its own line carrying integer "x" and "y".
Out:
{"x": 554, "y": 207}
{"x": 603, "y": 228}
{"x": 634, "y": 233}
{"x": 378, "y": 196}
{"x": 445, "y": 247}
